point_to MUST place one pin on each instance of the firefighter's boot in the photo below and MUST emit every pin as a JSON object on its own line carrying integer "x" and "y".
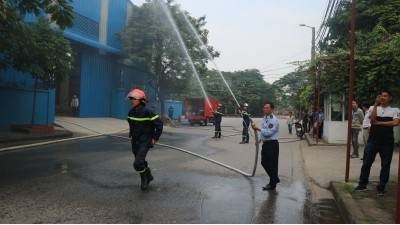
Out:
{"x": 243, "y": 140}
{"x": 247, "y": 138}
{"x": 144, "y": 180}
{"x": 149, "y": 176}
{"x": 215, "y": 134}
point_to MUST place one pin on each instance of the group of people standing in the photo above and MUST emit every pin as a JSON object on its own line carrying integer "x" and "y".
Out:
{"x": 313, "y": 121}
{"x": 376, "y": 123}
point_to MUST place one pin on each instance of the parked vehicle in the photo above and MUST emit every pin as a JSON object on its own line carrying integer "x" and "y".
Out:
{"x": 198, "y": 110}
{"x": 299, "y": 129}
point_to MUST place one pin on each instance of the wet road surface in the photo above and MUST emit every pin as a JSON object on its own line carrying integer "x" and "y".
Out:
{"x": 92, "y": 181}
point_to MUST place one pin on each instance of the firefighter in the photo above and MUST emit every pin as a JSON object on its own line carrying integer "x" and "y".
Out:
{"x": 217, "y": 121}
{"x": 246, "y": 123}
{"x": 145, "y": 128}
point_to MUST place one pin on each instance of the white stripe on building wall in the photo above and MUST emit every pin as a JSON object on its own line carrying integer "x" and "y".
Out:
{"x": 103, "y": 22}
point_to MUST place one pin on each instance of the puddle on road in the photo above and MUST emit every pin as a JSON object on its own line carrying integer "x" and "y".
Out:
{"x": 329, "y": 212}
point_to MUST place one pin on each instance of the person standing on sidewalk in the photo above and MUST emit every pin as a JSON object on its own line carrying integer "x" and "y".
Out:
{"x": 217, "y": 121}
{"x": 366, "y": 124}
{"x": 74, "y": 105}
{"x": 356, "y": 122}
{"x": 305, "y": 121}
{"x": 270, "y": 149}
{"x": 145, "y": 128}
{"x": 290, "y": 122}
{"x": 381, "y": 140}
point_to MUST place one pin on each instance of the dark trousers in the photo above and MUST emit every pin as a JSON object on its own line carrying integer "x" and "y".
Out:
{"x": 320, "y": 130}
{"x": 245, "y": 131}
{"x": 218, "y": 129}
{"x": 354, "y": 139}
{"x": 290, "y": 128}
{"x": 269, "y": 160}
{"x": 140, "y": 152}
{"x": 386, "y": 153}
{"x": 74, "y": 111}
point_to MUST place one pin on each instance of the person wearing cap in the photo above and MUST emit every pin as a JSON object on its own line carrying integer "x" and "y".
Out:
{"x": 145, "y": 129}
{"x": 217, "y": 121}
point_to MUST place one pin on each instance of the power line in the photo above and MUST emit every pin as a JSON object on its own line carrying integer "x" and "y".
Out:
{"x": 278, "y": 69}
{"x": 285, "y": 59}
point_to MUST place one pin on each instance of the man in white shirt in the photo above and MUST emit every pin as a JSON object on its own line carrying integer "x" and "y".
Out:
{"x": 381, "y": 140}
{"x": 366, "y": 123}
{"x": 290, "y": 122}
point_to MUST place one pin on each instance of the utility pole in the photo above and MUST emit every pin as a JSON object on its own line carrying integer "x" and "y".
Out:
{"x": 312, "y": 60}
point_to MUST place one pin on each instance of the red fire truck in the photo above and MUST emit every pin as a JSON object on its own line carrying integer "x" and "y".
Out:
{"x": 197, "y": 110}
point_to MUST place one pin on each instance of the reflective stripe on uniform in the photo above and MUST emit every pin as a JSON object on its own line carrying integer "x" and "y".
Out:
{"x": 143, "y": 119}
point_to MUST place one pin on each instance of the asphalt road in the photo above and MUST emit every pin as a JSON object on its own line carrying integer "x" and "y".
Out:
{"x": 92, "y": 181}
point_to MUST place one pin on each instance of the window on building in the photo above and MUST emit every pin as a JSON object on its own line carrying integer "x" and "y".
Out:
{"x": 336, "y": 107}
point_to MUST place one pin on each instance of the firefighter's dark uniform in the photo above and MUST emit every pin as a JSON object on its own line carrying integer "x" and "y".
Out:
{"x": 144, "y": 125}
{"x": 270, "y": 149}
{"x": 217, "y": 123}
{"x": 246, "y": 123}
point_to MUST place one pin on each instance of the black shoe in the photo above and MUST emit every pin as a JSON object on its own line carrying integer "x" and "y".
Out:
{"x": 354, "y": 156}
{"x": 381, "y": 192}
{"x": 361, "y": 158}
{"x": 269, "y": 187}
{"x": 149, "y": 175}
{"x": 360, "y": 188}
{"x": 144, "y": 181}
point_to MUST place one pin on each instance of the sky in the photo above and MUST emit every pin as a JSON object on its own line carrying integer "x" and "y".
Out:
{"x": 258, "y": 34}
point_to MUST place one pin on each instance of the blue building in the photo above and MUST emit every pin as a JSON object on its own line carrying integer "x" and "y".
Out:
{"x": 100, "y": 79}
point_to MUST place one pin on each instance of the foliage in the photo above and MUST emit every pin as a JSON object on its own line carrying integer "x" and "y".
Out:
{"x": 51, "y": 55}
{"x": 18, "y": 38}
{"x": 150, "y": 39}
{"x": 245, "y": 86}
{"x": 294, "y": 90}
{"x": 377, "y": 49}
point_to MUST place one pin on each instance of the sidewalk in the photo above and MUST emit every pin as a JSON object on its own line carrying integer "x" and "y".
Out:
{"x": 325, "y": 165}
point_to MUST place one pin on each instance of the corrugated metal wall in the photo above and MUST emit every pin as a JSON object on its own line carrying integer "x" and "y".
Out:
{"x": 116, "y": 21}
{"x": 88, "y": 8}
{"x": 96, "y": 86}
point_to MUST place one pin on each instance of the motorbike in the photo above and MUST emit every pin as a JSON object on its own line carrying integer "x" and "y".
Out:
{"x": 299, "y": 129}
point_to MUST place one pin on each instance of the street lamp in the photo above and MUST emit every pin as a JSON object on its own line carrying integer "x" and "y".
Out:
{"x": 313, "y": 59}
{"x": 312, "y": 40}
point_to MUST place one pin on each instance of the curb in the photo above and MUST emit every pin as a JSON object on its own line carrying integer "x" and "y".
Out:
{"x": 47, "y": 142}
{"x": 348, "y": 207}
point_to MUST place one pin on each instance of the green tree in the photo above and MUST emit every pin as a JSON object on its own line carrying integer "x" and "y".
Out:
{"x": 39, "y": 48}
{"x": 292, "y": 90}
{"x": 150, "y": 39}
{"x": 16, "y": 35}
{"x": 248, "y": 86}
{"x": 377, "y": 49}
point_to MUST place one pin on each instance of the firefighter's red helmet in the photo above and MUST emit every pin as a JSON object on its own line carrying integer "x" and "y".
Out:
{"x": 137, "y": 94}
{"x": 219, "y": 105}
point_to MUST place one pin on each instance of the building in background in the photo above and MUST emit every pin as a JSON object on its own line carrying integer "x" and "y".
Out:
{"x": 100, "y": 79}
